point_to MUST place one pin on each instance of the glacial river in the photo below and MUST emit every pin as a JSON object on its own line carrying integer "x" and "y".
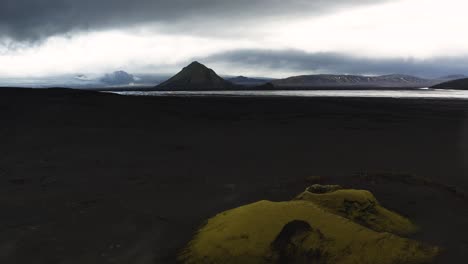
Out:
{"x": 420, "y": 93}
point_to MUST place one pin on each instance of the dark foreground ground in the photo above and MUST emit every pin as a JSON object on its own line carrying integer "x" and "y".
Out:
{"x": 98, "y": 178}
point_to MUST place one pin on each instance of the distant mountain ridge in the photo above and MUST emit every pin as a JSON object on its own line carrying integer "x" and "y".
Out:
{"x": 196, "y": 76}
{"x": 118, "y": 78}
{"x": 453, "y": 77}
{"x": 242, "y": 80}
{"x": 330, "y": 80}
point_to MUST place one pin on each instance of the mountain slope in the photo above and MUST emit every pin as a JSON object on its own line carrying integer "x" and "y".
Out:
{"x": 195, "y": 76}
{"x": 460, "y": 84}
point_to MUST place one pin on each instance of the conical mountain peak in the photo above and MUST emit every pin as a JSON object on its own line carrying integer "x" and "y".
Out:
{"x": 195, "y": 76}
{"x": 195, "y": 64}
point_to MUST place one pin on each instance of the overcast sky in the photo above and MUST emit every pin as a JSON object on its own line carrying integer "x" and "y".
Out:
{"x": 274, "y": 38}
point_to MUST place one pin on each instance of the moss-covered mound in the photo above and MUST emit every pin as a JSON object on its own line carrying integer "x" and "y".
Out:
{"x": 359, "y": 206}
{"x": 301, "y": 231}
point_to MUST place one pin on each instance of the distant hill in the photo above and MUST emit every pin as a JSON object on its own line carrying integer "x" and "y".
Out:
{"x": 328, "y": 80}
{"x": 242, "y": 80}
{"x": 460, "y": 84}
{"x": 118, "y": 78}
{"x": 196, "y": 76}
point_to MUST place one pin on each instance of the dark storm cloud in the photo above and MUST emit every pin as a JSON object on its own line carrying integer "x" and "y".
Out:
{"x": 339, "y": 63}
{"x": 30, "y": 20}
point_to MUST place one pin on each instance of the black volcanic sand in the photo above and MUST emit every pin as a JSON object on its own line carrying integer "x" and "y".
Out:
{"x": 101, "y": 178}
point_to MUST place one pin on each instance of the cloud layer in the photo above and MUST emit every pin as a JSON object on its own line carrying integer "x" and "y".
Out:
{"x": 252, "y": 37}
{"x": 32, "y": 20}
{"x": 279, "y": 61}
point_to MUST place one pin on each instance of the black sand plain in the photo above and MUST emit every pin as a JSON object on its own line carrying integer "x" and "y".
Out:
{"x": 91, "y": 177}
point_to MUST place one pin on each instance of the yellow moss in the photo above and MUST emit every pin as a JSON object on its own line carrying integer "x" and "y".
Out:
{"x": 246, "y": 234}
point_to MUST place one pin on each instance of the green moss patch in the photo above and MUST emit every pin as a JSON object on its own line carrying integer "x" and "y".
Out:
{"x": 309, "y": 230}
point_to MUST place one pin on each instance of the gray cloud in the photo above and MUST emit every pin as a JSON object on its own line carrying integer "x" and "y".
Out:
{"x": 294, "y": 60}
{"x": 32, "y": 20}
